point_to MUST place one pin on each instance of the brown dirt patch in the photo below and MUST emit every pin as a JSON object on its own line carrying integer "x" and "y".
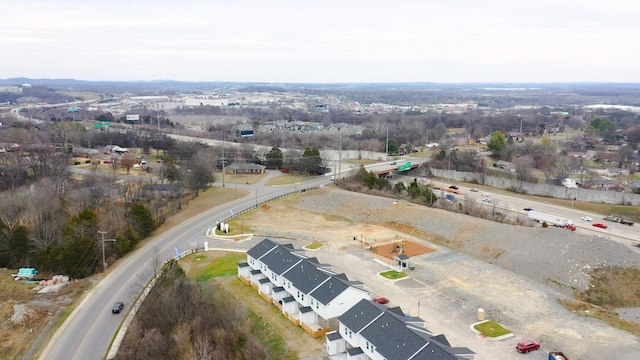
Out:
{"x": 393, "y": 249}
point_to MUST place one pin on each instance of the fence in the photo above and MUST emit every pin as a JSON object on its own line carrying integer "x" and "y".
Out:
{"x": 552, "y": 191}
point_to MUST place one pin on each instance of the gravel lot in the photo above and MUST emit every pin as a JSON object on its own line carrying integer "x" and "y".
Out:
{"x": 552, "y": 254}
{"x": 452, "y": 284}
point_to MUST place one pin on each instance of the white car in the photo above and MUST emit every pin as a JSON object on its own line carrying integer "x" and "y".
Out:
{"x": 484, "y": 194}
{"x": 586, "y": 218}
{"x": 487, "y": 200}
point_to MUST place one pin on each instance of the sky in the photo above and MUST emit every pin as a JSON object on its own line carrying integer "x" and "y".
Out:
{"x": 309, "y": 41}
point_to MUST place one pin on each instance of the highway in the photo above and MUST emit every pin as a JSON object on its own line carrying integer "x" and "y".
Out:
{"x": 513, "y": 206}
{"x": 87, "y": 332}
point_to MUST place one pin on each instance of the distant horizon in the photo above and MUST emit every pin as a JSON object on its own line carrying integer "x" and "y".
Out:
{"x": 44, "y": 79}
{"x": 323, "y": 42}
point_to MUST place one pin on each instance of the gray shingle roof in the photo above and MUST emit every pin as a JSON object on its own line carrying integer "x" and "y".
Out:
{"x": 261, "y": 248}
{"x": 305, "y": 276}
{"x": 333, "y": 336}
{"x": 329, "y": 290}
{"x": 280, "y": 259}
{"x": 360, "y": 315}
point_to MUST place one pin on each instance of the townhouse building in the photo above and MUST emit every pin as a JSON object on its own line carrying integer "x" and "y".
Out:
{"x": 311, "y": 295}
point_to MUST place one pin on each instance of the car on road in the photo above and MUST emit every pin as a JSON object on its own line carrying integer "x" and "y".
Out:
{"x": 487, "y": 200}
{"x": 380, "y": 300}
{"x": 453, "y": 187}
{"x": 117, "y": 307}
{"x": 527, "y": 209}
{"x": 484, "y": 194}
{"x": 586, "y": 218}
{"x": 473, "y": 190}
{"x": 527, "y": 345}
{"x": 600, "y": 225}
{"x": 394, "y": 162}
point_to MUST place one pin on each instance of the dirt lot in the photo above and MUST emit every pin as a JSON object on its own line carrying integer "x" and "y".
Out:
{"x": 535, "y": 267}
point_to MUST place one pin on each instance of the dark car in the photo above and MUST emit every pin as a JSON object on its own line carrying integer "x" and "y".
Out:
{"x": 527, "y": 209}
{"x": 117, "y": 307}
{"x": 600, "y": 225}
{"x": 527, "y": 345}
{"x": 380, "y": 300}
{"x": 453, "y": 187}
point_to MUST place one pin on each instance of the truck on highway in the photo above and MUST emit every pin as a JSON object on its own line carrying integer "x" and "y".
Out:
{"x": 614, "y": 218}
{"x": 550, "y": 219}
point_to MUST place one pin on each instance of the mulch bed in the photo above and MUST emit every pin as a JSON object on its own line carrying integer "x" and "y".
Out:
{"x": 409, "y": 248}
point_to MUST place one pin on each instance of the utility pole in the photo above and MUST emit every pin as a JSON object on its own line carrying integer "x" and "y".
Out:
{"x": 223, "y": 161}
{"x": 386, "y": 155}
{"x": 104, "y": 261}
{"x": 340, "y": 158}
{"x": 521, "y": 137}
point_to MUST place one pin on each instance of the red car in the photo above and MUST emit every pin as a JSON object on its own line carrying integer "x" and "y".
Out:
{"x": 380, "y": 300}
{"x": 527, "y": 345}
{"x": 600, "y": 225}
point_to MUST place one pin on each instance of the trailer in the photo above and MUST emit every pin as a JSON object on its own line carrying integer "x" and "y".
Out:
{"x": 551, "y": 219}
{"x": 616, "y": 219}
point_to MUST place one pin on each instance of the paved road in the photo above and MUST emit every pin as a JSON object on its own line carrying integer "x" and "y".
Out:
{"x": 514, "y": 206}
{"x": 87, "y": 333}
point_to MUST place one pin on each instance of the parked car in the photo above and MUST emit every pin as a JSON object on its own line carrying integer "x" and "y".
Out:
{"x": 117, "y": 307}
{"x": 600, "y": 225}
{"x": 586, "y": 218}
{"x": 473, "y": 190}
{"x": 380, "y": 300}
{"x": 527, "y": 345}
{"x": 453, "y": 187}
{"x": 527, "y": 209}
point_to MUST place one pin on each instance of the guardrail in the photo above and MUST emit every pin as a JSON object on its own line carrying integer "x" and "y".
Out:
{"x": 119, "y": 336}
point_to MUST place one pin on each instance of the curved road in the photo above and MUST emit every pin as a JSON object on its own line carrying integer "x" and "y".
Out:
{"x": 87, "y": 333}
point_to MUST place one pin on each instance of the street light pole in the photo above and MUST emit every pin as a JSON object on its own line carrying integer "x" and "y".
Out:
{"x": 104, "y": 261}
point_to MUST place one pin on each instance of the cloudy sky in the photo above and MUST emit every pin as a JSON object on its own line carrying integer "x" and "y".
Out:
{"x": 322, "y": 41}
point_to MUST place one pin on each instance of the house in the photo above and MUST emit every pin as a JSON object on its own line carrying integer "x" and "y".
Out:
{"x": 373, "y": 331}
{"x": 578, "y": 153}
{"x": 599, "y": 184}
{"x": 613, "y": 172}
{"x": 307, "y": 292}
{"x": 578, "y": 170}
{"x": 244, "y": 168}
{"x": 115, "y": 149}
{"x": 85, "y": 152}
